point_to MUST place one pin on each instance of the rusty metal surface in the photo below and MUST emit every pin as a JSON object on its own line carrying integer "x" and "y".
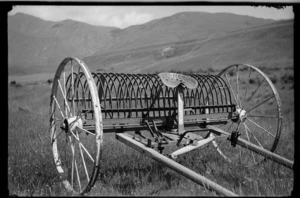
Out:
{"x": 145, "y": 95}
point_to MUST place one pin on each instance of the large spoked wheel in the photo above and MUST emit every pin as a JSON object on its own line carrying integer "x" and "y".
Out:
{"x": 75, "y": 126}
{"x": 258, "y": 112}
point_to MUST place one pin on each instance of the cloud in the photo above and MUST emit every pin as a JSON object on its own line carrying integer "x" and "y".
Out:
{"x": 118, "y": 16}
{"x": 130, "y": 18}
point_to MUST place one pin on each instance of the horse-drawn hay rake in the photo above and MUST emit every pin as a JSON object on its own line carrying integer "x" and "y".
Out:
{"x": 162, "y": 116}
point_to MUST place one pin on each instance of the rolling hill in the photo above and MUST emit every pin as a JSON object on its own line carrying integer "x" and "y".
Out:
{"x": 269, "y": 45}
{"x": 180, "y": 27}
{"x": 35, "y": 43}
{"x": 185, "y": 41}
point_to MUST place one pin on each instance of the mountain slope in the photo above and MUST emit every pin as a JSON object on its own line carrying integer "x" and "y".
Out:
{"x": 33, "y": 41}
{"x": 268, "y": 45}
{"x": 180, "y": 27}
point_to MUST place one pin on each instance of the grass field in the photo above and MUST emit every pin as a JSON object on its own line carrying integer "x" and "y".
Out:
{"x": 124, "y": 171}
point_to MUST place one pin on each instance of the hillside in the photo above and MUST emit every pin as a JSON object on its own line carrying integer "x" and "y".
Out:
{"x": 192, "y": 39}
{"x": 36, "y": 42}
{"x": 267, "y": 45}
{"x": 180, "y": 27}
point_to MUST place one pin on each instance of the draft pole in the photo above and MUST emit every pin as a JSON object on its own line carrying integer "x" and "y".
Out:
{"x": 149, "y": 152}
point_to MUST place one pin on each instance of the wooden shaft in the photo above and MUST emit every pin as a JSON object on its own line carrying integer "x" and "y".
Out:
{"x": 180, "y": 109}
{"x": 265, "y": 153}
{"x": 191, "y": 147}
{"x": 257, "y": 149}
{"x": 126, "y": 139}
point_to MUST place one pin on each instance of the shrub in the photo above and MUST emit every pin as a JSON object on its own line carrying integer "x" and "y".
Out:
{"x": 289, "y": 68}
{"x": 252, "y": 81}
{"x": 210, "y": 70}
{"x": 200, "y": 70}
{"x": 287, "y": 78}
{"x": 168, "y": 52}
{"x": 243, "y": 68}
{"x": 231, "y": 72}
{"x": 264, "y": 69}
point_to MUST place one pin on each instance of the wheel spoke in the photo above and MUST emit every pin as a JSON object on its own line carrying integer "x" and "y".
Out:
{"x": 237, "y": 86}
{"x": 56, "y": 119}
{"x": 74, "y": 135}
{"x": 87, "y": 152}
{"x": 62, "y": 114}
{"x": 261, "y": 103}
{"x": 78, "y": 178}
{"x": 82, "y": 146}
{"x": 72, "y": 173}
{"x": 247, "y": 128}
{"x": 86, "y": 131}
{"x": 76, "y": 168}
{"x": 73, "y": 93}
{"x": 263, "y": 116}
{"x": 73, "y": 161}
{"x": 249, "y": 141}
{"x": 65, "y": 99}
{"x": 261, "y": 127}
{"x": 81, "y": 153}
{"x": 254, "y": 93}
{"x": 64, "y": 77}
{"x": 247, "y": 85}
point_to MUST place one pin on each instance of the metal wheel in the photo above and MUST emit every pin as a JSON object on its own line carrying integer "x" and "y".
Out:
{"x": 258, "y": 108}
{"x": 75, "y": 126}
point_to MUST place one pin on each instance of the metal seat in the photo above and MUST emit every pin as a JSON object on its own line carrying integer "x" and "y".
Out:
{"x": 174, "y": 80}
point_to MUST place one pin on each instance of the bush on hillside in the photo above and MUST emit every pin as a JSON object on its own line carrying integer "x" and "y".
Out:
{"x": 287, "y": 78}
{"x": 231, "y": 72}
{"x": 210, "y": 70}
{"x": 200, "y": 70}
{"x": 252, "y": 81}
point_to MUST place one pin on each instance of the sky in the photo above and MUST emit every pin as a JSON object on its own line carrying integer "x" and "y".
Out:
{"x": 125, "y": 16}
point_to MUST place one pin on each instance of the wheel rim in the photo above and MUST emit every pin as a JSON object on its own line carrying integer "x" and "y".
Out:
{"x": 75, "y": 126}
{"x": 258, "y": 108}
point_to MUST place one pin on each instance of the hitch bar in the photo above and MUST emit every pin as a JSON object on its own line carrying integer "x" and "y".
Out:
{"x": 243, "y": 143}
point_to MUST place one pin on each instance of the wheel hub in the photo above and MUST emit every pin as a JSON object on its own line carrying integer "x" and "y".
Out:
{"x": 71, "y": 123}
{"x": 242, "y": 114}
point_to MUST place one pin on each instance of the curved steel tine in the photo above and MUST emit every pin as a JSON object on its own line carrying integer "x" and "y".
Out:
{"x": 138, "y": 95}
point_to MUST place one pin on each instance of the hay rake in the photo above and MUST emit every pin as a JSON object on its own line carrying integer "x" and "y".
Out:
{"x": 162, "y": 116}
